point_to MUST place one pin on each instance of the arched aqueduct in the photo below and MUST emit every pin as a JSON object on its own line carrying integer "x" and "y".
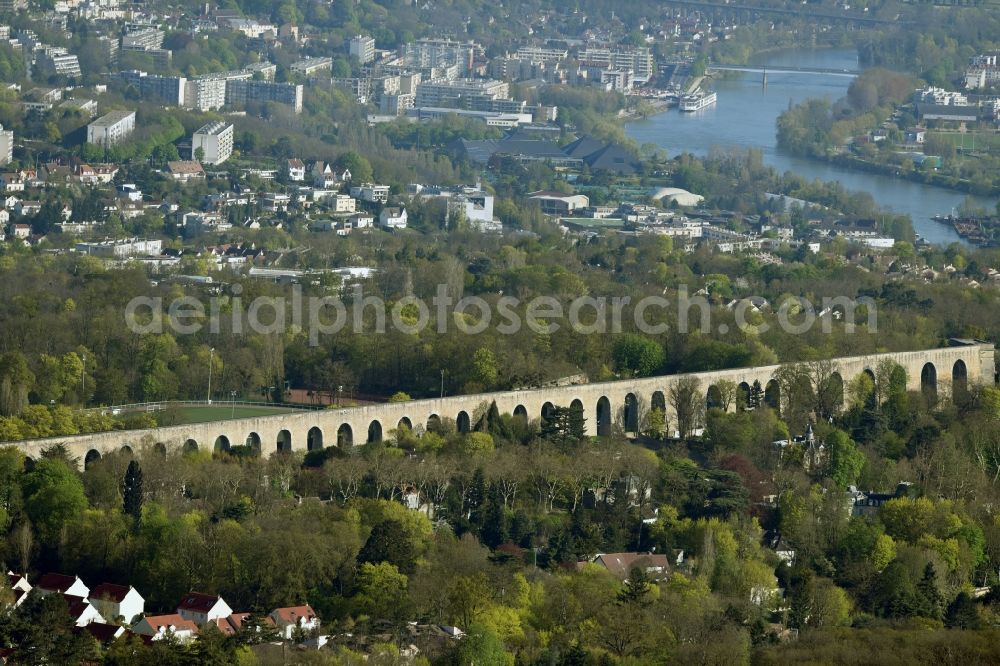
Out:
{"x": 938, "y": 370}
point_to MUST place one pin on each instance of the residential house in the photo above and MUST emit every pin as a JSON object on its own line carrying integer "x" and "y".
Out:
{"x": 292, "y": 617}
{"x": 20, "y": 586}
{"x": 203, "y": 608}
{"x": 55, "y": 583}
{"x": 20, "y": 231}
{"x": 275, "y": 202}
{"x": 12, "y": 182}
{"x": 105, "y": 633}
{"x": 114, "y": 601}
{"x": 392, "y": 218}
{"x": 328, "y": 176}
{"x": 97, "y": 174}
{"x": 371, "y": 193}
{"x": 4, "y": 217}
{"x": 81, "y": 611}
{"x": 362, "y": 221}
{"x": 622, "y": 564}
{"x": 342, "y": 203}
{"x": 231, "y": 624}
{"x": 295, "y": 169}
{"x": 185, "y": 170}
{"x": 159, "y": 626}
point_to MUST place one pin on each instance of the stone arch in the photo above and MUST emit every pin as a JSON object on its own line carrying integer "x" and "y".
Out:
{"x": 547, "y": 409}
{"x": 928, "y": 380}
{"x": 631, "y": 415}
{"x": 603, "y": 416}
{"x": 742, "y": 396}
{"x": 521, "y": 412}
{"x": 284, "y": 441}
{"x": 433, "y": 423}
{"x": 463, "y": 422}
{"x": 658, "y": 401}
{"x": 314, "y": 439}
{"x": 375, "y": 431}
{"x": 404, "y": 422}
{"x": 870, "y": 373}
{"x": 713, "y": 397}
{"x": 161, "y": 449}
{"x": 772, "y": 395}
{"x": 254, "y": 443}
{"x": 959, "y": 382}
{"x": 835, "y": 390}
{"x": 345, "y": 435}
{"x": 127, "y": 450}
{"x": 221, "y": 444}
{"x": 190, "y": 446}
{"x": 92, "y": 456}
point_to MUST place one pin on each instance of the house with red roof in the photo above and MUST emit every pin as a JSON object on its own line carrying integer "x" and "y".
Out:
{"x": 203, "y": 608}
{"x": 159, "y": 626}
{"x": 114, "y": 601}
{"x": 231, "y": 624}
{"x": 105, "y": 633}
{"x": 56, "y": 583}
{"x": 287, "y": 619}
{"x": 81, "y": 610}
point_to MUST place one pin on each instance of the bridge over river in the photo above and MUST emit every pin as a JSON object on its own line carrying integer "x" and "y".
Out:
{"x": 848, "y": 73}
{"x": 939, "y": 370}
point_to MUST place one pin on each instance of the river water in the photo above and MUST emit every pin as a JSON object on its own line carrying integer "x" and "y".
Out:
{"x": 745, "y": 116}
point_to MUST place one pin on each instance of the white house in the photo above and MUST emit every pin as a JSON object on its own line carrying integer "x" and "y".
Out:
{"x": 159, "y": 626}
{"x": 287, "y": 619}
{"x": 20, "y": 586}
{"x": 371, "y": 193}
{"x": 392, "y": 218}
{"x": 81, "y": 610}
{"x": 296, "y": 170}
{"x": 362, "y": 221}
{"x": 54, "y": 583}
{"x": 115, "y": 601}
{"x": 203, "y": 608}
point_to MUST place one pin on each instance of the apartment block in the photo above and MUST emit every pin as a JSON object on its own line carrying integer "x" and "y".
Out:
{"x": 362, "y": 47}
{"x": 6, "y": 146}
{"x": 442, "y": 93}
{"x": 311, "y": 66}
{"x": 205, "y": 93}
{"x": 143, "y": 38}
{"x": 152, "y": 87}
{"x": 440, "y": 53}
{"x": 215, "y": 140}
{"x": 111, "y": 128}
{"x": 243, "y": 92}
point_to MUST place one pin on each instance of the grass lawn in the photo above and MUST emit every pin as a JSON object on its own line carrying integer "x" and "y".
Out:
{"x": 219, "y": 412}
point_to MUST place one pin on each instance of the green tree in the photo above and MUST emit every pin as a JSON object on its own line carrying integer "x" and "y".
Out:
{"x": 54, "y": 497}
{"x": 132, "y": 492}
{"x": 389, "y": 542}
{"x": 635, "y": 355}
{"x": 963, "y": 613}
{"x": 846, "y": 460}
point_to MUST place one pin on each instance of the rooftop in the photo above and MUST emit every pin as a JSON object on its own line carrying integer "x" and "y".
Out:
{"x": 113, "y": 117}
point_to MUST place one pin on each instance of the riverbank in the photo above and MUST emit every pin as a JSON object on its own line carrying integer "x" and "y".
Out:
{"x": 932, "y": 178}
{"x": 745, "y": 117}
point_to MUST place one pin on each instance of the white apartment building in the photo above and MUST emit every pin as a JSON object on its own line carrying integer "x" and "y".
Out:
{"x": 6, "y": 145}
{"x": 111, "y": 128}
{"x": 425, "y": 53}
{"x": 310, "y": 66}
{"x": 362, "y": 47}
{"x": 216, "y": 140}
{"x": 371, "y": 192}
{"x": 205, "y": 93}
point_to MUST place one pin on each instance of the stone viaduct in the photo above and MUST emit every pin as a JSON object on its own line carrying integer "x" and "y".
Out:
{"x": 937, "y": 370}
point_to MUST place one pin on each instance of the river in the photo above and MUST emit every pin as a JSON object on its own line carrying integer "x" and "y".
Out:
{"x": 746, "y": 115}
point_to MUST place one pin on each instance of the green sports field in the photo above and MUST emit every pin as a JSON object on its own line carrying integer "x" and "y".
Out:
{"x": 219, "y": 412}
